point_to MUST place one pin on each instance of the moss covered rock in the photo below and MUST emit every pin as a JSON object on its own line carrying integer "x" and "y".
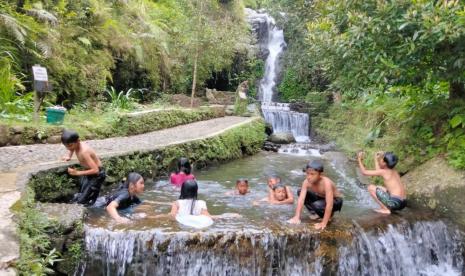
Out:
{"x": 438, "y": 186}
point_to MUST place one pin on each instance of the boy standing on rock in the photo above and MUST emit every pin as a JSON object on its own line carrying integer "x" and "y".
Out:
{"x": 319, "y": 195}
{"x": 93, "y": 175}
{"x": 391, "y": 198}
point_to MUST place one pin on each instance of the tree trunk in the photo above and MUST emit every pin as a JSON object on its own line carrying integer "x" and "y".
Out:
{"x": 456, "y": 90}
{"x": 194, "y": 78}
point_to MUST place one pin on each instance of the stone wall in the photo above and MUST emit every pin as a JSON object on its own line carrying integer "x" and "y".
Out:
{"x": 51, "y": 184}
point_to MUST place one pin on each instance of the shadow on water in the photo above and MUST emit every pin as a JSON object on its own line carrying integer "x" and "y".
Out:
{"x": 358, "y": 241}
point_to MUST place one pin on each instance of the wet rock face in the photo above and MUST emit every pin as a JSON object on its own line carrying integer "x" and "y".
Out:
{"x": 65, "y": 215}
{"x": 299, "y": 107}
{"x": 281, "y": 138}
{"x": 269, "y": 146}
{"x": 436, "y": 185}
{"x": 66, "y": 232}
{"x": 259, "y": 26}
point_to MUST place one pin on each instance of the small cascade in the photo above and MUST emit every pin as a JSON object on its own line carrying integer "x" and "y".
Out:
{"x": 423, "y": 248}
{"x": 279, "y": 115}
{"x": 303, "y": 149}
{"x": 284, "y": 120}
{"x": 153, "y": 252}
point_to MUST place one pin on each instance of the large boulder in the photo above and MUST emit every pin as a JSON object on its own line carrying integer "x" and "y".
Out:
{"x": 268, "y": 146}
{"x": 436, "y": 185}
{"x": 281, "y": 138}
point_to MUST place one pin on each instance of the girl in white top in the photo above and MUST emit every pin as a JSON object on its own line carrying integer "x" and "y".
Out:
{"x": 187, "y": 204}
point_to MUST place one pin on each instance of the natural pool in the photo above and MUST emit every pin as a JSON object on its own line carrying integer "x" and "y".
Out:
{"x": 358, "y": 241}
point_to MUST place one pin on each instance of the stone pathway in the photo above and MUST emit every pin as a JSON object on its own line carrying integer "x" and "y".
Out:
{"x": 14, "y": 157}
{"x": 18, "y": 162}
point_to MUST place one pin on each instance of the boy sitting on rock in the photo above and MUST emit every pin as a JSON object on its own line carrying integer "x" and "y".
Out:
{"x": 93, "y": 175}
{"x": 391, "y": 198}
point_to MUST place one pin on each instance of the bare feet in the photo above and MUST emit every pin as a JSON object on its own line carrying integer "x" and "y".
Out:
{"x": 383, "y": 211}
{"x": 314, "y": 216}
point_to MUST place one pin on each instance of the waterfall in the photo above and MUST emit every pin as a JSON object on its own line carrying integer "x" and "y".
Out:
{"x": 279, "y": 115}
{"x": 284, "y": 120}
{"x": 424, "y": 248}
{"x": 420, "y": 248}
{"x": 153, "y": 252}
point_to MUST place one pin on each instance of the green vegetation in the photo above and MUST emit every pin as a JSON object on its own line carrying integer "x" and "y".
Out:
{"x": 91, "y": 125}
{"x": 145, "y": 48}
{"x": 37, "y": 256}
{"x": 398, "y": 65}
{"x": 46, "y": 243}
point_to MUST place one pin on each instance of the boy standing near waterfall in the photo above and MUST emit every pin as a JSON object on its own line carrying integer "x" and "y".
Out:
{"x": 319, "y": 195}
{"x": 392, "y": 197}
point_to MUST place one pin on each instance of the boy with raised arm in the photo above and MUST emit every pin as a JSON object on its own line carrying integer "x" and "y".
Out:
{"x": 318, "y": 194}
{"x": 392, "y": 197}
{"x": 93, "y": 175}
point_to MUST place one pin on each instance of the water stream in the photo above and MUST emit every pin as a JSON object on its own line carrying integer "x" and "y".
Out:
{"x": 357, "y": 242}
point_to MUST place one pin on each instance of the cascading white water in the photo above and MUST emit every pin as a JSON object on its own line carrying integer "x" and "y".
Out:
{"x": 424, "y": 248}
{"x": 284, "y": 120}
{"x": 278, "y": 115}
{"x": 152, "y": 252}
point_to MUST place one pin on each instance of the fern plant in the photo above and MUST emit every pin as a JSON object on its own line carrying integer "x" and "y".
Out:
{"x": 121, "y": 100}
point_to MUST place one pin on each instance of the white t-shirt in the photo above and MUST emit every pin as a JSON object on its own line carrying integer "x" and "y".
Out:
{"x": 185, "y": 207}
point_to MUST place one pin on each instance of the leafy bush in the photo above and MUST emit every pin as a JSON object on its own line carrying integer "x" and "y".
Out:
{"x": 291, "y": 87}
{"x": 37, "y": 257}
{"x": 121, "y": 100}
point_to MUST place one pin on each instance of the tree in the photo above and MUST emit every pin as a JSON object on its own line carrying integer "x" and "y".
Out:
{"x": 363, "y": 44}
{"x": 212, "y": 35}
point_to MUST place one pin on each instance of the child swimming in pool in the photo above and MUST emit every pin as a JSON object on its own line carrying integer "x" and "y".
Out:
{"x": 393, "y": 196}
{"x": 125, "y": 197}
{"x": 242, "y": 187}
{"x": 272, "y": 182}
{"x": 182, "y": 173}
{"x": 188, "y": 204}
{"x": 282, "y": 194}
{"x": 318, "y": 194}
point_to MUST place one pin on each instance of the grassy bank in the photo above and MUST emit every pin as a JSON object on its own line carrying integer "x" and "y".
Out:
{"x": 103, "y": 124}
{"x": 393, "y": 124}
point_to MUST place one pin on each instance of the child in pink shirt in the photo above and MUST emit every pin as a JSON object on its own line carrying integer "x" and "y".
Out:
{"x": 183, "y": 173}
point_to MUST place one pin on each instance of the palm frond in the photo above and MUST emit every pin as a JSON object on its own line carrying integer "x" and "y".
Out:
{"x": 43, "y": 15}
{"x": 13, "y": 27}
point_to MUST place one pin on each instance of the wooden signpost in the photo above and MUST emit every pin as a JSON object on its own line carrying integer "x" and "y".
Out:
{"x": 41, "y": 86}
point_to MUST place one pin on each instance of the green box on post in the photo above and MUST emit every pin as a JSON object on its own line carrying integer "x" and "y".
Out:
{"x": 55, "y": 116}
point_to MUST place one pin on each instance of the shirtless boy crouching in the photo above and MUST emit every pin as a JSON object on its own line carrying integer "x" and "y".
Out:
{"x": 318, "y": 194}
{"x": 393, "y": 196}
{"x": 93, "y": 175}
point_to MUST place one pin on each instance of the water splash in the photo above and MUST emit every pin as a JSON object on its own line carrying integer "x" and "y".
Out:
{"x": 230, "y": 253}
{"x": 423, "y": 248}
